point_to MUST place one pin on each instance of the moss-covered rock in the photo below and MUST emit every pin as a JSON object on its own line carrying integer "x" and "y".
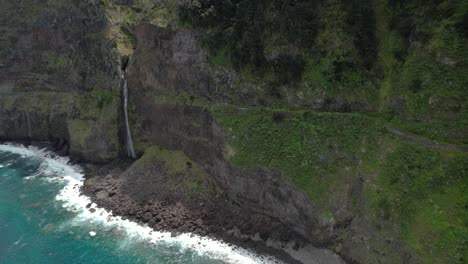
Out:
{"x": 179, "y": 175}
{"x": 60, "y": 77}
{"x": 39, "y": 115}
{"x": 94, "y": 128}
{"x": 89, "y": 123}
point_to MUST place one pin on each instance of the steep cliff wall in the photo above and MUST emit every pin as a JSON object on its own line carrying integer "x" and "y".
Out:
{"x": 289, "y": 131}
{"x": 194, "y": 130}
{"x": 59, "y": 77}
{"x": 331, "y": 177}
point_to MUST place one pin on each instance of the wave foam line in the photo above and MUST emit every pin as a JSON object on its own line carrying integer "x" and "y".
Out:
{"x": 73, "y": 201}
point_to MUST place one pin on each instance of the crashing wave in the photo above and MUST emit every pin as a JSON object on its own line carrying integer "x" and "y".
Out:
{"x": 58, "y": 170}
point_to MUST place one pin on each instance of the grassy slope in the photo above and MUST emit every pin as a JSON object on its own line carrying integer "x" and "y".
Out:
{"x": 420, "y": 190}
{"x": 423, "y": 191}
{"x": 195, "y": 183}
{"x": 308, "y": 147}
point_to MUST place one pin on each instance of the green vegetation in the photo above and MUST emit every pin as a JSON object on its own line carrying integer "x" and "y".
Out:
{"x": 56, "y": 45}
{"x": 37, "y": 102}
{"x": 313, "y": 150}
{"x": 55, "y": 62}
{"x": 425, "y": 193}
{"x": 92, "y": 118}
{"x": 439, "y": 130}
{"x": 104, "y": 97}
{"x": 94, "y": 125}
{"x": 419, "y": 191}
{"x": 176, "y": 164}
{"x": 36, "y": 106}
{"x": 123, "y": 17}
{"x": 362, "y": 51}
{"x": 326, "y": 45}
{"x": 81, "y": 130}
{"x": 407, "y": 59}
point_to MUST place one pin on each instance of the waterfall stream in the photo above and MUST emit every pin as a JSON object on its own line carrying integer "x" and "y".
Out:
{"x": 128, "y": 136}
{"x": 28, "y": 125}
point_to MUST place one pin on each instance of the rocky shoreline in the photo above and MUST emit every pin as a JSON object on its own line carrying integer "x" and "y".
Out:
{"x": 219, "y": 220}
{"x": 166, "y": 215}
{"x": 217, "y": 217}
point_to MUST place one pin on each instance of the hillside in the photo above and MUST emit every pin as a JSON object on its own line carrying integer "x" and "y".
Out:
{"x": 339, "y": 124}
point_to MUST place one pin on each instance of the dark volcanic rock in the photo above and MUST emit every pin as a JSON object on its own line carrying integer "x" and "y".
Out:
{"x": 147, "y": 216}
{"x": 177, "y": 62}
{"x": 181, "y": 212}
{"x": 175, "y": 59}
{"x": 398, "y": 105}
{"x": 49, "y": 61}
{"x": 182, "y": 127}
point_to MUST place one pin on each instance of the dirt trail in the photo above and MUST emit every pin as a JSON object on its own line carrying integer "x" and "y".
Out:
{"x": 425, "y": 142}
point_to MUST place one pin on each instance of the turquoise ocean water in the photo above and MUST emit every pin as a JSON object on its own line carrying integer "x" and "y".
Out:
{"x": 43, "y": 219}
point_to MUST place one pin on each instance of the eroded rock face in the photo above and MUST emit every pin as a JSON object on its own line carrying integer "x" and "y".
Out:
{"x": 194, "y": 131}
{"x": 59, "y": 77}
{"x": 168, "y": 62}
{"x": 26, "y": 116}
{"x": 178, "y": 65}
{"x": 56, "y": 46}
{"x": 191, "y": 201}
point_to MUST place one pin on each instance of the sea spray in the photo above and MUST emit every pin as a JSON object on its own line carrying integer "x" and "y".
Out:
{"x": 104, "y": 221}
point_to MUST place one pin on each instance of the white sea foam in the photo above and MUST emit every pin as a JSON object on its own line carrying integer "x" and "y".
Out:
{"x": 73, "y": 201}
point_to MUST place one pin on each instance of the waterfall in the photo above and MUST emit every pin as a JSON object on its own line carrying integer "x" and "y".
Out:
{"x": 28, "y": 125}
{"x": 128, "y": 135}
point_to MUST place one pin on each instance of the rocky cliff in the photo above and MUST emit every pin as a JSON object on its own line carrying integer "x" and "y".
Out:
{"x": 60, "y": 77}
{"x": 169, "y": 68}
{"x": 254, "y": 136}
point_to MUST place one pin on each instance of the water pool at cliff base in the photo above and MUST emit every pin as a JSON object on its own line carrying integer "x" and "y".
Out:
{"x": 44, "y": 219}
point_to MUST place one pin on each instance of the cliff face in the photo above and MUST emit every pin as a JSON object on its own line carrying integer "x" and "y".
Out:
{"x": 284, "y": 136}
{"x": 169, "y": 62}
{"x": 59, "y": 77}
